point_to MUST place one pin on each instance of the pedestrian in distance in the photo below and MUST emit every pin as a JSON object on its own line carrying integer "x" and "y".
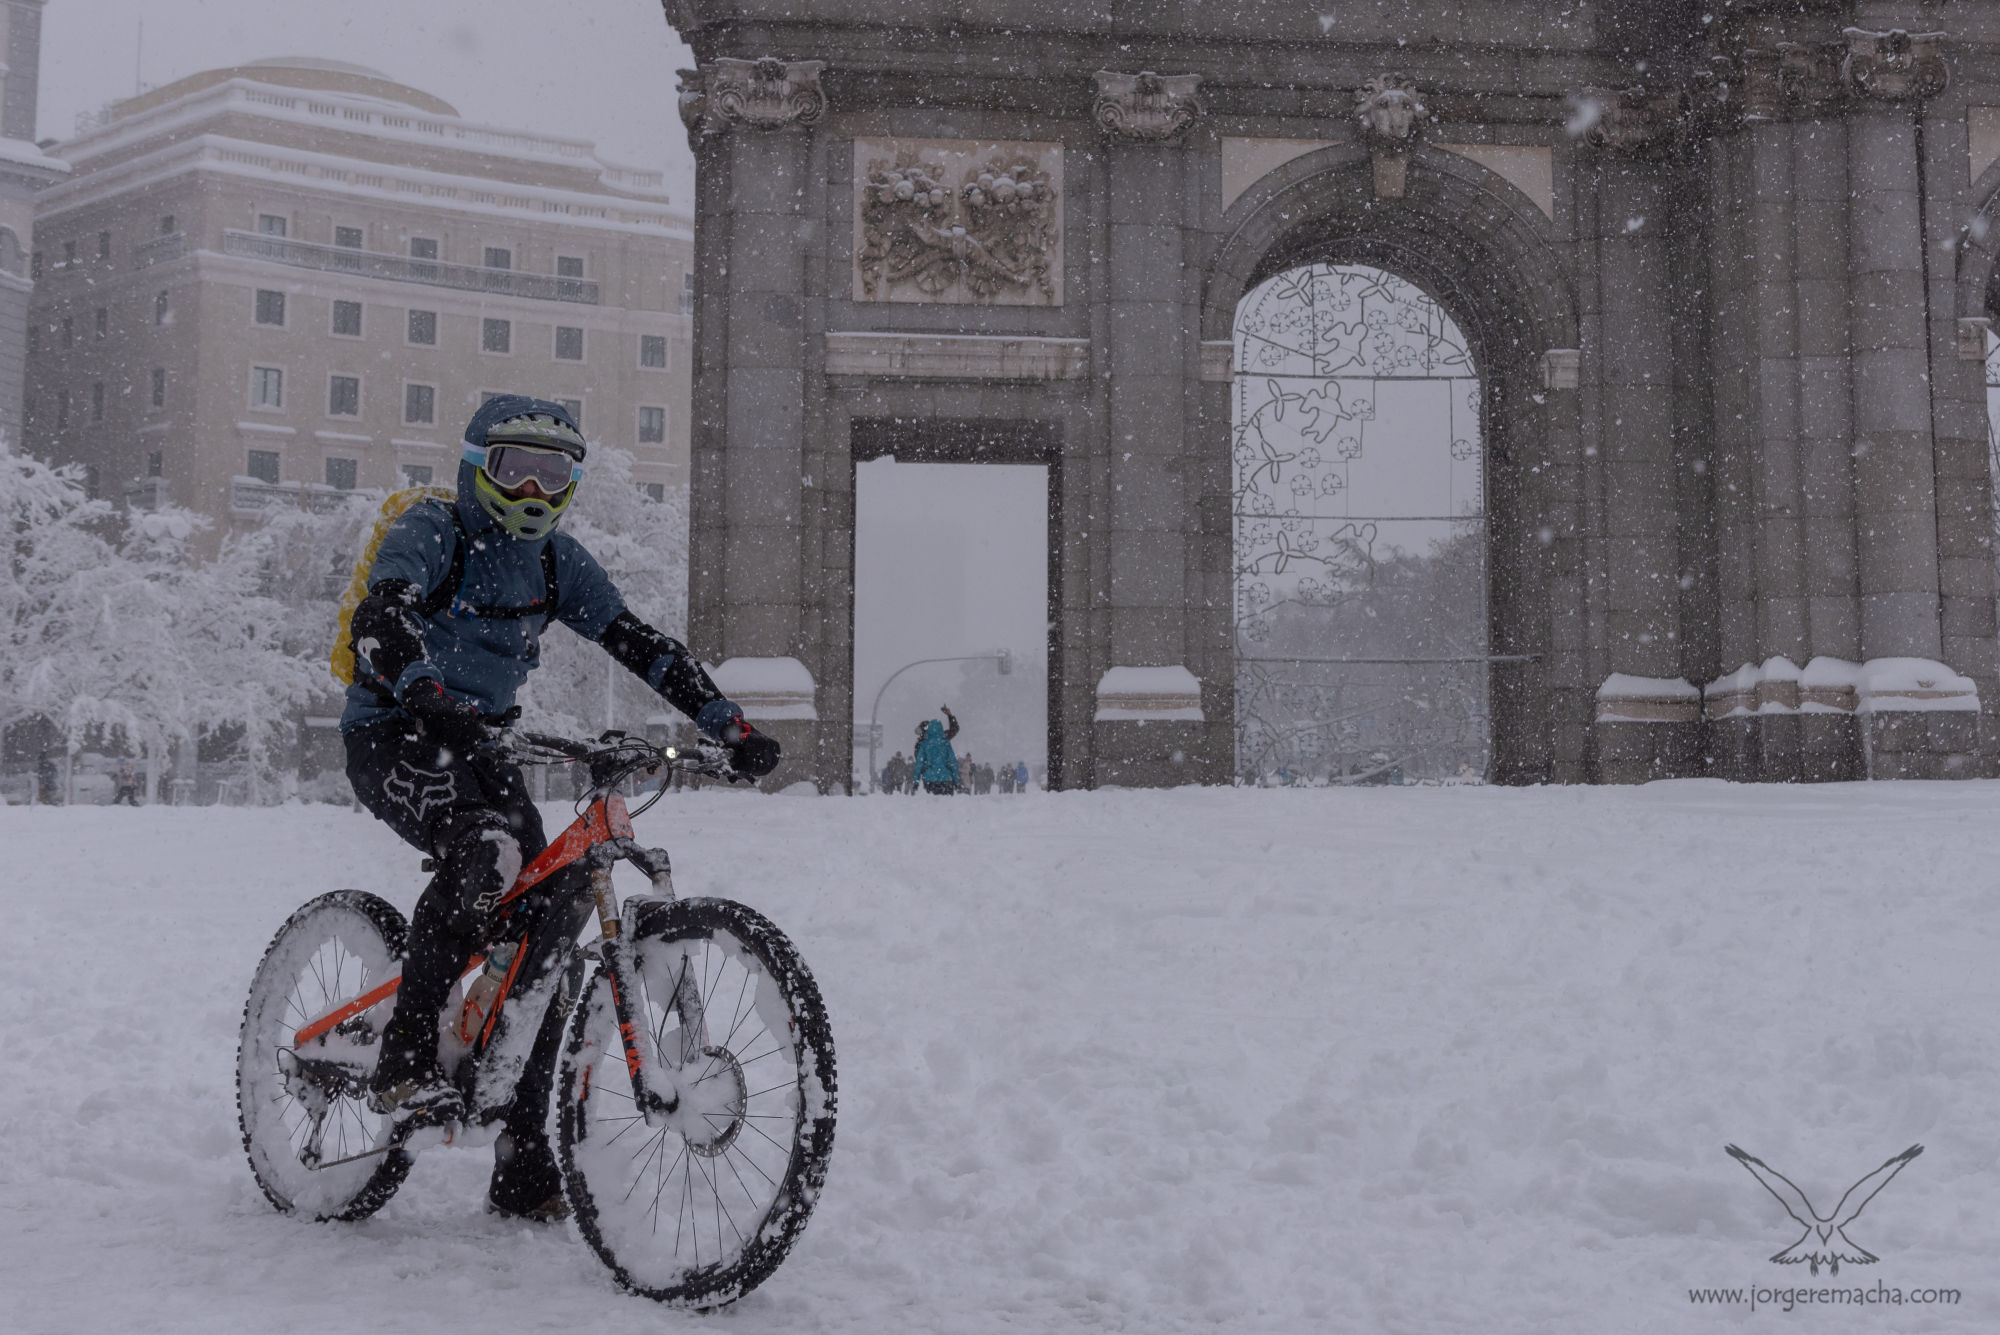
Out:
{"x": 1021, "y": 776}
{"x": 45, "y": 779}
{"x": 895, "y": 774}
{"x": 126, "y": 785}
{"x": 1006, "y": 779}
{"x": 936, "y": 764}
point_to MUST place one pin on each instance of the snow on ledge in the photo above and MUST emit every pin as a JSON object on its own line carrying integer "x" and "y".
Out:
{"x": 1149, "y": 694}
{"x": 768, "y": 688}
{"x": 1836, "y": 686}
{"x": 1624, "y": 698}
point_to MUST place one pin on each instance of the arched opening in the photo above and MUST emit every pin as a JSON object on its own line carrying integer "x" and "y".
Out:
{"x": 1360, "y": 536}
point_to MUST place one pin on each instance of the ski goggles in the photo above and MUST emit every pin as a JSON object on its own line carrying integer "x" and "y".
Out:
{"x": 514, "y": 466}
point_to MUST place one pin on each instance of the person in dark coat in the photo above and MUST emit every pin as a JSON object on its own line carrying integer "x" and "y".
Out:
{"x": 895, "y": 774}
{"x": 434, "y": 675}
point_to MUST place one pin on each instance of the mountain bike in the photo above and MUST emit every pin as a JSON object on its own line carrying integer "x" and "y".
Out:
{"x": 695, "y": 1097}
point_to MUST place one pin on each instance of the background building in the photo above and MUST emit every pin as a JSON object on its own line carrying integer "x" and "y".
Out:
{"x": 24, "y": 169}
{"x": 268, "y": 283}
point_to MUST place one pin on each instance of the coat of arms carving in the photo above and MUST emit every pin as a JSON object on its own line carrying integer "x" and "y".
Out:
{"x": 957, "y": 221}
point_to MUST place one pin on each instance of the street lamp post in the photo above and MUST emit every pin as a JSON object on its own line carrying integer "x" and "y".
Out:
{"x": 1004, "y": 659}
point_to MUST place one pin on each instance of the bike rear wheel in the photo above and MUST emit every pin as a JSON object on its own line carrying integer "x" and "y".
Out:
{"x": 302, "y": 1109}
{"x": 699, "y": 1211}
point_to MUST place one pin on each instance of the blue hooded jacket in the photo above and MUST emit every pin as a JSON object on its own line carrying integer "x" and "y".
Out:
{"x": 479, "y": 658}
{"x": 935, "y": 761}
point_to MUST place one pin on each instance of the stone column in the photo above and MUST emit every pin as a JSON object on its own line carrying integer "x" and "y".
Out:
{"x": 1895, "y": 485}
{"x": 1151, "y": 354}
{"x": 1637, "y": 170}
{"x": 750, "y": 122}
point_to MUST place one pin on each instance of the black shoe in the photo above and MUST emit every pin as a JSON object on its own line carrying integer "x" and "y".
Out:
{"x": 526, "y": 1184}
{"x": 415, "y": 1101}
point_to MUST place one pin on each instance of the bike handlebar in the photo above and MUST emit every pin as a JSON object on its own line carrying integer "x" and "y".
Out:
{"x": 615, "y": 755}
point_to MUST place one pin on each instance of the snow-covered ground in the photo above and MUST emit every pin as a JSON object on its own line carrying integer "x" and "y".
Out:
{"x": 1412, "y": 1061}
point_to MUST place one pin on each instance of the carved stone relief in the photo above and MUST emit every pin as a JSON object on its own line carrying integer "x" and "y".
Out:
{"x": 1896, "y": 64}
{"x": 1636, "y": 121}
{"x": 958, "y": 221}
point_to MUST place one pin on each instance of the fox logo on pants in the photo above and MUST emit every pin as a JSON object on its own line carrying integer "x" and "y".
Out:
{"x": 419, "y": 790}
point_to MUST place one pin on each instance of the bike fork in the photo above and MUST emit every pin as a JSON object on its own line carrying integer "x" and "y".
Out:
{"x": 641, "y": 1061}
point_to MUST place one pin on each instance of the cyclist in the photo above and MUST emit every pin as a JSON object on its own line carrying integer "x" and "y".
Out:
{"x": 458, "y": 597}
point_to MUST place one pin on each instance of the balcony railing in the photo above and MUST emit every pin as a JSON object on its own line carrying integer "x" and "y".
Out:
{"x": 402, "y": 269}
{"x": 249, "y": 496}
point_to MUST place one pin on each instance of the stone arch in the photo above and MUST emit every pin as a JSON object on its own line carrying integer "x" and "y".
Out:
{"x": 1486, "y": 253}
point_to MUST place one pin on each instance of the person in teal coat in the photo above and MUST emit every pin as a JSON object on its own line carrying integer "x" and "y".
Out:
{"x": 936, "y": 763}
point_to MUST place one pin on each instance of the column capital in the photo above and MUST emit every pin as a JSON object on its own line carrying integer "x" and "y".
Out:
{"x": 1894, "y": 66}
{"x": 1146, "y": 106}
{"x": 1634, "y": 122}
{"x": 766, "y": 94}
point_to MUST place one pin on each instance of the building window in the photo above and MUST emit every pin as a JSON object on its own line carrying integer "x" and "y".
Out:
{"x": 420, "y": 404}
{"x": 97, "y": 400}
{"x": 569, "y": 343}
{"x": 159, "y": 386}
{"x": 156, "y": 464}
{"x": 101, "y": 322}
{"x": 574, "y": 407}
{"x": 653, "y": 351}
{"x": 264, "y": 466}
{"x": 270, "y": 224}
{"x": 423, "y": 327}
{"x": 343, "y": 396}
{"x": 423, "y": 248}
{"x": 166, "y": 224}
{"x": 416, "y": 475}
{"x": 267, "y": 387}
{"x": 652, "y": 425}
{"x": 62, "y": 409}
{"x": 160, "y": 309}
{"x": 569, "y": 266}
{"x": 655, "y": 492}
{"x": 68, "y": 331}
{"x": 498, "y": 257}
{"x": 347, "y": 318}
{"x": 496, "y": 336}
{"x": 349, "y": 237}
{"x": 687, "y": 292}
{"x": 104, "y": 245}
{"x": 340, "y": 473}
{"x": 270, "y": 306}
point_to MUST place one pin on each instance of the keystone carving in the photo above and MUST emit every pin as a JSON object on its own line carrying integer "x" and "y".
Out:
{"x": 766, "y": 94}
{"x": 1146, "y": 106}
{"x": 1636, "y": 121}
{"x": 1895, "y": 65}
{"x": 984, "y": 231}
{"x": 1388, "y": 114}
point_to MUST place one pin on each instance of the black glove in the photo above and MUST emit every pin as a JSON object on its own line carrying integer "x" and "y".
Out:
{"x": 751, "y": 752}
{"x": 452, "y": 723}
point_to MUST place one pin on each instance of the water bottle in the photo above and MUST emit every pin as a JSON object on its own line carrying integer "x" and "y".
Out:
{"x": 485, "y": 990}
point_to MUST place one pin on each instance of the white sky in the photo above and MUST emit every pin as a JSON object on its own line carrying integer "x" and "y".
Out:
{"x": 601, "y": 70}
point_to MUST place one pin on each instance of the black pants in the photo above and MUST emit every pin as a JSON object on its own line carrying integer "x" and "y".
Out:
{"x": 472, "y": 813}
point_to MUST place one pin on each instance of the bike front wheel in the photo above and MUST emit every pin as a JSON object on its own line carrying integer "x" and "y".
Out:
{"x": 701, "y": 1208}
{"x": 314, "y": 1146}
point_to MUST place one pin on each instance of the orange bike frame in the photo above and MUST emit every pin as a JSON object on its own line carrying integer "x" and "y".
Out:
{"x": 601, "y": 822}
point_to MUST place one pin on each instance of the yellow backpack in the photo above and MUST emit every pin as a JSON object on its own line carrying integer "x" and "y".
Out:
{"x": 393, "y": 509}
